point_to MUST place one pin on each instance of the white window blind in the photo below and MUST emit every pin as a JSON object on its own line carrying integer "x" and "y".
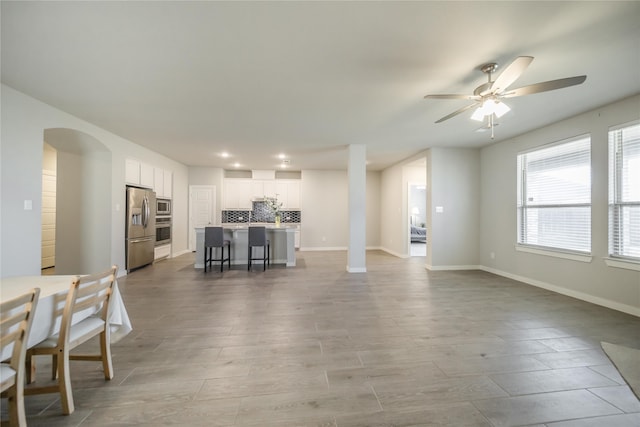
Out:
{"x": 554, "y": 196}
{"x": 624, "y": 192}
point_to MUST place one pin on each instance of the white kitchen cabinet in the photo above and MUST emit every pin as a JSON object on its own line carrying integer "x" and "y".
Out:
{"x": 161, "y": 252}
{"x": 269, "y": 188}
{"x": 158, "y": 182}
{"x": 263, "y": 188}
{"x": 162, "y": 183}
{"x": 257, "y": 189}
{"x": 132, "y": 172}
{"x": 288, "y": 192}
{"x": 146, "y": 175}
{"x": 168, "y": 184}
{"x": 237, "y": 194}
{"x": 139, "y": 173}
{"x": 281, "y": 191}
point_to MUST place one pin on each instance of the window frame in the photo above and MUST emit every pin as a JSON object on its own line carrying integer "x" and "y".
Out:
{"x": 521, "y": 206}
{"x": 615, "y": 203}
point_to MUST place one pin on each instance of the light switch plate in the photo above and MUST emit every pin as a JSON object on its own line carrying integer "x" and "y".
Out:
{"x": 28, "y": 205}
{"x": 439, "y": 209}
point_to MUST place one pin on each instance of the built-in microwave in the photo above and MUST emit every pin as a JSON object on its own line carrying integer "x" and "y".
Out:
{"x": 163, "y": 207}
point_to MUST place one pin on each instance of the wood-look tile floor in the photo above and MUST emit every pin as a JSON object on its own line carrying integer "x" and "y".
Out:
{"x": 317, "y": 346}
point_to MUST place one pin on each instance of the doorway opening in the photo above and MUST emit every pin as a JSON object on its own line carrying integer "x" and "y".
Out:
{"x": 417, "y": 219}
{"x": 416, "y": 178}
{"x": 76, "y": 201}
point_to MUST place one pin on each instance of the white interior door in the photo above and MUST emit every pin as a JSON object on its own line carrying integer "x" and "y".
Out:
{"x": 48, "y": 252}
{"x": 202, "y": 208}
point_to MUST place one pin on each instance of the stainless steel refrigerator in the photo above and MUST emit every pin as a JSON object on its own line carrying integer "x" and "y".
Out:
{"x": 141, "y": 227}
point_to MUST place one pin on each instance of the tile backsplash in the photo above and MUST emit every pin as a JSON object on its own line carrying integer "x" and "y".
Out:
{"x": 260, "y": 213}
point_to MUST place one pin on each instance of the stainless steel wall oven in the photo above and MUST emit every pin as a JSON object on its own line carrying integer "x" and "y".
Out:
{"x": 163, "y": 230}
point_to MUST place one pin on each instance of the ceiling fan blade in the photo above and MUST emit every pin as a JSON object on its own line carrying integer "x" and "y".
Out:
{"x": 455, "y": 113}
{"x": 545, "y": 86}
{"x": 511, "y": 73}
{"x": 452, "y": 96}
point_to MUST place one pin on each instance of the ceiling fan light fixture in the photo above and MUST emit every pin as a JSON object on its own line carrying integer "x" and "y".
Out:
{"x": 478, "y": 114}
{"x": 500, "y": 109}
{"x": 489, "y": 107}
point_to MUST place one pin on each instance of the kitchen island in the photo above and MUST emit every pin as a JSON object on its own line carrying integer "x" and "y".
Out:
{"x": 282, "y": 239}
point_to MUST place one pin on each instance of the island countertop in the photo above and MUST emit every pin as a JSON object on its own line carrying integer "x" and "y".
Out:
{"x": 267, "y": 225}
{"x": 282, "y": 240}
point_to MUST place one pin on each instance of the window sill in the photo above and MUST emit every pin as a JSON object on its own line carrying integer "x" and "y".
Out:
{"x": 555, "y": 254}
{"x": 622, "y": 263}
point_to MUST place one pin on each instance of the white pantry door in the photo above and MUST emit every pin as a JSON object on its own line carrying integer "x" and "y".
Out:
{"x": 202, "y": 208}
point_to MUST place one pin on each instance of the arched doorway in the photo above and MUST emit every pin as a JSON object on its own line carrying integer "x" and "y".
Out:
{"x": 82, "y": 201}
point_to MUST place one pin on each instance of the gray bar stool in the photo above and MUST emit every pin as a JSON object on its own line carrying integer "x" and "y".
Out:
{"x": 258, "y": 238}
{"x": 214, "y": 239}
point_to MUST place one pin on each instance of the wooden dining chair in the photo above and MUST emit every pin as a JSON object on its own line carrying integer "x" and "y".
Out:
{"x": 92, "y": 292}
{"x": 16, "y": 317}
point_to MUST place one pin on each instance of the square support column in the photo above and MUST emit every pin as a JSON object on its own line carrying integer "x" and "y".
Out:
{"x": 357, "y": 171}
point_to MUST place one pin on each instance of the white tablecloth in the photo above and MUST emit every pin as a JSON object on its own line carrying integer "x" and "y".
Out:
{"x": 52, "y": 290}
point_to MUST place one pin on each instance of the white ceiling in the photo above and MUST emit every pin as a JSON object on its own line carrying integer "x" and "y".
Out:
{"x": 193, "y": 79}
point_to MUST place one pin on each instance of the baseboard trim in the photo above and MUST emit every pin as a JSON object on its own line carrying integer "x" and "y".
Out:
{"x": 177, "y": 254}
{"x": 625, "y": 308}
{"x": 452, "y": 267}
{"x": 321, "y": 248}
{"x": 390, "y": 252}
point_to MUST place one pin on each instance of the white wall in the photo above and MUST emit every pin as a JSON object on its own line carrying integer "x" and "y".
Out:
{"x": 373, "y": 209}
{"x": 393, "y": 224}
{"x": 69, "y": 251}
{"x": 209, "y": 176}
{"x": 24, "y": 121}
{"x": 325, "y": 212}
{"x": 594, "y": 281}
{"x": 323, "y": 202}
{"x": 452, "y": 179}
{"x": 394, "y": 211}
{"x": 453, "y": 183}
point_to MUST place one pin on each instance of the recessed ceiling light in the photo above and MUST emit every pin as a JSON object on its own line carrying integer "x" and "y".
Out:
{"x": 224, "y": 155}
{"x": 236, "y": 165}
{"x": 282, "y": 156}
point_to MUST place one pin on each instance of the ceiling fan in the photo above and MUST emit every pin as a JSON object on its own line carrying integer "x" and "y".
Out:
{"x": 488, "y": 96}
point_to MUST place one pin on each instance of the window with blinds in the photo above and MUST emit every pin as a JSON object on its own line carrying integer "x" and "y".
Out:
{"x": 554, "y": 196}
{"x": 624, "y": 192}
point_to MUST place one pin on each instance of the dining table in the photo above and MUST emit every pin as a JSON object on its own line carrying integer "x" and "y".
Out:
{"x": 53, "y": 293}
